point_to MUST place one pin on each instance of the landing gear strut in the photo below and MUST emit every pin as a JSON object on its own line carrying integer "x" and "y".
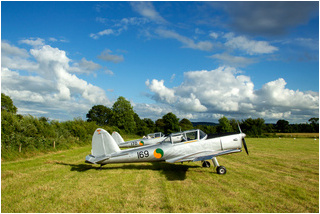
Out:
{"x": 221, "y": 170}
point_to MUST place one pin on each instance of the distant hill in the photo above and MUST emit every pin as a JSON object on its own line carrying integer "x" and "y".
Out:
{"x": 204, "y": 123}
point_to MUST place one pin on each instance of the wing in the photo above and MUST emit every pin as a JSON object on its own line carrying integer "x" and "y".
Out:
{"x": 201, "y": 156}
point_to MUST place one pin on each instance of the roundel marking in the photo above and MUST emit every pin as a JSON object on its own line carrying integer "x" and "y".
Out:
{"x": 141, "y": 143}
{"x": 158, "y": 153}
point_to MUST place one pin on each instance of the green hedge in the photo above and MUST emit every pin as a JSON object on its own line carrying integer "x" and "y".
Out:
{"x": 24, "y": 136}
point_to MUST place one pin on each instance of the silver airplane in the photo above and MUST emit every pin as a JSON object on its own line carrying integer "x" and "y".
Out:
{"x": 194, "y": 145}
{"x": 151, "y": 139}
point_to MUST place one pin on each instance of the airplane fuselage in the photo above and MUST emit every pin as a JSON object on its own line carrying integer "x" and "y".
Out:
{"x": 171, "y": 152}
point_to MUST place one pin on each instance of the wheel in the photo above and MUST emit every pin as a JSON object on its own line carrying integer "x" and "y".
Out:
{"x": 205, "y": 164}
{"x": 221, "y": 170}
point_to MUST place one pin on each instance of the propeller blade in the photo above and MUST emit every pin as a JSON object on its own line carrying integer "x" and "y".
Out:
{"x": 245, "y": 145}
{"x": 239, "y": 128}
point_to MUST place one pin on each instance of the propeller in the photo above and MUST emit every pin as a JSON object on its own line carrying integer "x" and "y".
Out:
{"x": 245, "y": 145}
{"x": 243, "y": 141}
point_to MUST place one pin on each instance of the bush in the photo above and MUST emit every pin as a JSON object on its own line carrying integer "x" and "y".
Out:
{"x": 34, "y": 135}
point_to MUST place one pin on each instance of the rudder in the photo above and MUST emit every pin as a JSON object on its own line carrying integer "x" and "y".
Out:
{"x": 117, "y": 137}
{"x": 103, "y": 143}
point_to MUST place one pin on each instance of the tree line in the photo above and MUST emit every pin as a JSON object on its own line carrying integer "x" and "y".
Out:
{"x": 25, "y": 135}
{"x": 122, "y": 115}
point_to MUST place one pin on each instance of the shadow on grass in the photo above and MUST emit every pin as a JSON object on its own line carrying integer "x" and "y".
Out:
{"x": 170, "y": 171}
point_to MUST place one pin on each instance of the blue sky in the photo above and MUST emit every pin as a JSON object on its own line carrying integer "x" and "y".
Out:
{"x": 199, "y": 60}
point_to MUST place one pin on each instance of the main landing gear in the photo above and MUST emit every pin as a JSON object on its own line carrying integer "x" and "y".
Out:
{"x": 221, "y": 170}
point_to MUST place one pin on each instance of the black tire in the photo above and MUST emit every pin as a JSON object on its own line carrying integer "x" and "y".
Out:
{"x": 205, "y": 164}
{"x": 221, "y": 170}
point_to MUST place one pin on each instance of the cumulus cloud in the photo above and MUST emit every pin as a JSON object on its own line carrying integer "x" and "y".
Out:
{"x": 166, "y": 95}
{"x": 53, "y": 88}
{"x": 275, "y": 94}
{"x": 162, "y": 93}
{"x": 16, "y": 58}
{"x": 225, "y": 91}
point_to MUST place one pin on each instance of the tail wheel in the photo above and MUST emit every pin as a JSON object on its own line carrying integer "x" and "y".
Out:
{"x": 205, "y": 164}
{"x": 221, "y": 170}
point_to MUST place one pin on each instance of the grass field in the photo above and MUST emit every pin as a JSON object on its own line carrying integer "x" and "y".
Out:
{"x": 298, "y": 135}
{"x": 279, "y": 175}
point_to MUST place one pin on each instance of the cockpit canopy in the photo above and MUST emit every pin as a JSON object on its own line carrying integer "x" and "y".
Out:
{"x": 155, "y": 135}
{"x": 186, "y": 136}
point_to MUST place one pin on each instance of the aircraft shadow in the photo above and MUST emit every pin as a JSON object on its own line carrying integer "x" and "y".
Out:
{"x": 172, "y": 172}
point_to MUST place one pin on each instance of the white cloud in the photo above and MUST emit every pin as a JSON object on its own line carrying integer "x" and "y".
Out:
{"x": 51, "y": 88}
{"x": 7, "y": 49}
{"x": 235, "y": 61}
{"x": 102, "y": 33}
{"x": 109, "y": 72}
{"x": 162, "y": 93}
{"x": 147, "y": 10}
{"x": 224, "y": 91}
{"x": 85, "y": 66}
{"x": 173, "y": 76}
{"x": 119, "y": 26}
{"x": 214, "y": 35}
{"x": 275, "y": 94}
{"x": 251, "y": 47}
{"x": 16, "y": 58}
{"x": 188, "y": 43}
{"x": 107, "y": 56}
{"x": 33, "y": 42}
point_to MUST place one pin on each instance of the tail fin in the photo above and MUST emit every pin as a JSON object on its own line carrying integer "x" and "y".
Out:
{"x": 117, "y": 137}
{"x": 103, "y": 143}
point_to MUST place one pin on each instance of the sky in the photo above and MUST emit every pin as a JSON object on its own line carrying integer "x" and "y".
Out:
{"x": 198, "y": 60}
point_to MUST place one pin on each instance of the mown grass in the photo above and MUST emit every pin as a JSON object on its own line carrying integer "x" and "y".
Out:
{"x": 279, "y": 175}
{"x": 298, "y": 135}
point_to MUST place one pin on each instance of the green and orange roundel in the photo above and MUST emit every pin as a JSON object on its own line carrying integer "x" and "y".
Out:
{"x": 141, "y": 143}
{"x": 158, "y": 153}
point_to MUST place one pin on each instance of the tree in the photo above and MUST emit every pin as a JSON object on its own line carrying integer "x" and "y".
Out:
{"x": 7, "y": 104}
{"x": 141, "y": 126}
{"x": 224, "y": 125}
{"x": 208, "y": 129}
{"x": 159, "y": 125}
{"x": 314, "y": 124}
{"x": 150, "y": 124}
{"x": 99, "y": 114}
{"x": 253, "y": 127}
{"x": 282, "y": 126}
{"x": 123, "y": 115}
{"x": 185, "y": 124}
{"x": 171, "y": 123}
